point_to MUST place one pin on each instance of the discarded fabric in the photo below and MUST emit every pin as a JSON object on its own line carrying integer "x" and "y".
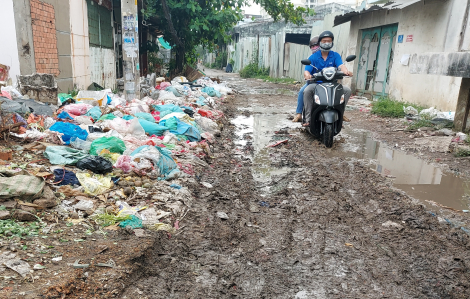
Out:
{"x": 65, "y": 177}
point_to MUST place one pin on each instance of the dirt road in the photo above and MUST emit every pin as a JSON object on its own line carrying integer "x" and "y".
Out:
{"x": 301, "y": 221}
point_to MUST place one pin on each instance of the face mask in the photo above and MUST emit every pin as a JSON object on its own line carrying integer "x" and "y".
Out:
{"x": 326, "y": 46}
{"x": 315, "y": 49}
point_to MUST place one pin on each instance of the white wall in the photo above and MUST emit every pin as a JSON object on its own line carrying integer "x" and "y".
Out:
{"x": 435, "y": 27}
{"x": 80, "y": 43}
{"x": 9, "y": 47}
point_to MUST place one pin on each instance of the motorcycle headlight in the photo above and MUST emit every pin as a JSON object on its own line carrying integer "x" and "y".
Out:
{"x": 342, "y": 99}
{"x": 329, "y": 73}
{"x": 317, "y": 100}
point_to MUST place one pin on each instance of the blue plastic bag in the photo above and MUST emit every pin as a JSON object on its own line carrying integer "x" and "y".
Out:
{"x": 152, "y": 128}
{"x": 211, "y": 92}
{"x": 166, "y": 164}
{"x": 167, "y": 109}
{"x": 201, "y": 101}
{"x": 146, "y": 116}
{"x": 70, "y": 131}
{"x": 184, "y": 129}
{"x": 94, "y": 113}
{"x": 64, "y": 115}
{"x": 127, "y": 117}
{"x": 174, "y": 91}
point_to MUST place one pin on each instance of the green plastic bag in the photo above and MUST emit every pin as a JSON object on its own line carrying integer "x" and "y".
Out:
{"x": 134, "y": 222}
{"x": 113, "y": 144}
{"x": 107, "y": 117}
{"x": 64, "y": 97}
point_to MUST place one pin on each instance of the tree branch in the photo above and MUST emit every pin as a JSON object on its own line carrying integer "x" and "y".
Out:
{"x": 166, "y": 12}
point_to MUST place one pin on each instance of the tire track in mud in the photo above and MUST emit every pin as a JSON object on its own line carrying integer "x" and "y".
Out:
{"x": 335, "y": 229}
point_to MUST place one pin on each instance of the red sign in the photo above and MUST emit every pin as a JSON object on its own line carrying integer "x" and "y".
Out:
{"x": 409, "y": 38}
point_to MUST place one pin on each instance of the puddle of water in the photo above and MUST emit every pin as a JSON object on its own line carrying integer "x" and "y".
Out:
{"x": 416, "y": 177}
{"x": 261, "y": 128}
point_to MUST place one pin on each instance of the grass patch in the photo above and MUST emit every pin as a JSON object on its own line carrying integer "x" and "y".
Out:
{"x": 9, "y": 228}
{"x": 276, "y": 80}
{"x": 387, "y": 107}
{"x": 253, "y": 70}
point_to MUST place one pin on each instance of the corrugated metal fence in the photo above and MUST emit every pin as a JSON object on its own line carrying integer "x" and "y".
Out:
{"x": 283, "y": 59}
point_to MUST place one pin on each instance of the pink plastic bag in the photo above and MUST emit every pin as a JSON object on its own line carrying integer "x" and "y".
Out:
{"x": 77, "y": 109}
{"x": 124, "y": 163}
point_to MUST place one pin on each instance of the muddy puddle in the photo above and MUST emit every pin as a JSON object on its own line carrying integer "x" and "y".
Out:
{"x": 415, "y": 176}
{"x": 255, "y": 133}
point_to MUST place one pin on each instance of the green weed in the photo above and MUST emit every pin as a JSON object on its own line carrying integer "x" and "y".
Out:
{"x": 387, "y": 107}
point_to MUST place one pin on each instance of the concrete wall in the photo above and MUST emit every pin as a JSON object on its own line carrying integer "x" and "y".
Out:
{"x": 80, "y": 44}
{"x": 435, "y": 27}
{"x": 24, "y": 36}
{"x": 9, "y": 48}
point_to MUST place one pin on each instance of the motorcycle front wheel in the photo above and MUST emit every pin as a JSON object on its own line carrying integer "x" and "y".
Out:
{"x": 328, "y": 135}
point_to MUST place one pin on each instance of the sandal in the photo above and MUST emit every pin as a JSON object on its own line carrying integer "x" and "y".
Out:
{"x": 297, "y": 118}
{"x": 346, "y": 119}
{"x": 306, "y": 125}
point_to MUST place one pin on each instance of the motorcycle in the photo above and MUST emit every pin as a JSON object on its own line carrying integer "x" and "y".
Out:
{"x": 328, "y": 105}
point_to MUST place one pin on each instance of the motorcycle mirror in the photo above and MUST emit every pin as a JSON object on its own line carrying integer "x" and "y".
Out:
{"x": 350, "y": 58}
{"x": 306, "y": 62}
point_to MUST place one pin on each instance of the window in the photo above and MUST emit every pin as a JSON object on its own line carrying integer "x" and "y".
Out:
{"x": 100, "y": 28}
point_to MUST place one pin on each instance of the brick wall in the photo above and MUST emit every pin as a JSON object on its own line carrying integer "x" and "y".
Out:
{"x": 44, "y": 37}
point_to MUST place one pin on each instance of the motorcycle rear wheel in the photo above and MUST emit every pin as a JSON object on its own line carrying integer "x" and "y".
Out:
{"x": 328, "y": 135}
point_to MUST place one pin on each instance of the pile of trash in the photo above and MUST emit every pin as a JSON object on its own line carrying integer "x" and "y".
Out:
{"x": 429, "y": 114}
{"x": 99, "y": 156}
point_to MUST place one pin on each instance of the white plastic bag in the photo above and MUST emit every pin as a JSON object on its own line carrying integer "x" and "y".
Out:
{"x": 207, "y": 125}
{"x": 81, "y": 144}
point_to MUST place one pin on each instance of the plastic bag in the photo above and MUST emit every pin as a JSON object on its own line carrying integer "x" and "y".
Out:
{"x": 81, "y": 144}
{"x": 166, "y": 95}
{"x": 134, "y": 222}
{"x": 185, "y": 129}
{"x": 152, "y": 128}
{"x": 174, "y": 91}
{"x": 128, "y": 117}
{"x": 95, "y": 185}
{"x": 113, "y": 144}
{"x": 147, "y": 152}
{"x": 63, "y": 97}
{"x": 94, "y": 113}
{"x": 84, "y": 120}
{"x": 207, "y": 125}
{"x": 124, "y": 163}
{"x": 107, "y": 117}
{"x": 77, "y": 109}
{"x": 70, "y": 131}
{"x": 96, "y": 164}
{"x": 165, "y": 164}
{"x": 64, "y": 115}
{"x": 167, "y": 109}
{"x": 211, "y": 92}
{"x": 142, "y": 166}
{"x": 146, "y": 116}
{"x": 62, "y": 155}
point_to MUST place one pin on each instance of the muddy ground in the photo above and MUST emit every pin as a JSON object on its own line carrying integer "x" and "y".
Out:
{"x": 302, "y": 221}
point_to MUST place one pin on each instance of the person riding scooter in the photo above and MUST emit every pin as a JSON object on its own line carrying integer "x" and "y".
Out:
{"x": 320, "y": 60}
{"x": 314, "y": 46}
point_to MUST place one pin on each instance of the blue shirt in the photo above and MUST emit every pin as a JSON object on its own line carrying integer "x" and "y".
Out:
{"x": 333, "y": 60}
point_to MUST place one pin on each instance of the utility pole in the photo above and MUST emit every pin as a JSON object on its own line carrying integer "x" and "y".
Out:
{"x": 130, "y": 49}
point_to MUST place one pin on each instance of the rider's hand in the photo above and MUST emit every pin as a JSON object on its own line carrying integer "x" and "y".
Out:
{"x": 350, "y": 74}
{"x": 307, "y": 77}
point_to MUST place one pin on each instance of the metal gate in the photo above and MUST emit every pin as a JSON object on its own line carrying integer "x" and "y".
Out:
{"x": 375, "y": 60}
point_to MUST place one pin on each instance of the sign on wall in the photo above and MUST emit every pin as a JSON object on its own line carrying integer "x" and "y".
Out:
{"x": 409, "y": 38}
{"x": 400, "y": 39}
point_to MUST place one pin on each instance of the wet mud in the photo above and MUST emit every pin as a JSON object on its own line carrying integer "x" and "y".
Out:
{"x": 305, "y": 221}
